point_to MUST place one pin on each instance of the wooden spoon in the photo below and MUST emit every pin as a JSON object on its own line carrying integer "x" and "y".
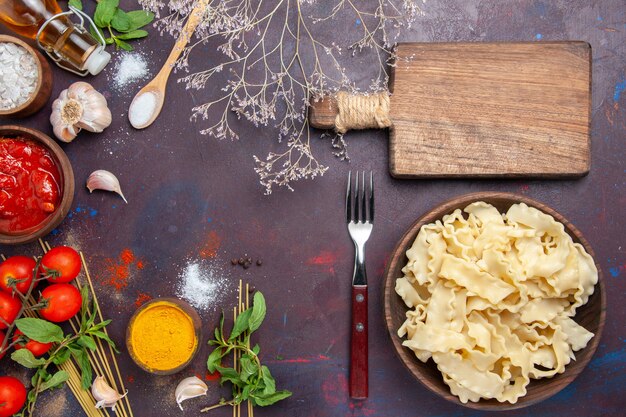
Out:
{"x": 146, "y": 109}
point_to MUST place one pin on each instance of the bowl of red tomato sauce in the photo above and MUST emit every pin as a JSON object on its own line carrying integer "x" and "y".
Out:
{"x": 36, "y": 185}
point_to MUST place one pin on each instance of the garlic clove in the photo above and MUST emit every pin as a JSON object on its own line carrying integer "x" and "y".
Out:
{"x": 188, "y": 388}
{"x": 104, "y": 395}
{"x": 104, "y": 180}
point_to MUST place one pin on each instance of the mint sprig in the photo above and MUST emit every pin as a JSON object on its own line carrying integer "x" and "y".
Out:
{"x": 253, "y": 381}
{"x": 73, "y": 345}
{"x": 116, "y": 25}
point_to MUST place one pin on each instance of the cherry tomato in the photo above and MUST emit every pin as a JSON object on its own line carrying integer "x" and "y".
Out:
{"x": 63, "y": 262}
{"x": 63, "y": 302}
{"x": 36, "y": 348}
{"x": 19, "y": 268}
{"x": 12, "y": 396}
{"x": 1, "y": 340}
{"x": 9, "y": 308}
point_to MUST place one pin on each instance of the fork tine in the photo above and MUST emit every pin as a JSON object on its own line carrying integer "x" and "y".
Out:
{"x": 349, "y": 198}
{"x": 371, "y": 218}
{"x": 357, "y": 213}
{"x": 363, "y": 199}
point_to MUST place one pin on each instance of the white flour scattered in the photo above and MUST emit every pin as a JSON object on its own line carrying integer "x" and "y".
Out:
{"x": 18, "y": 75}
{"x": 129, "y": 68}
{"x": 201, "y": 285}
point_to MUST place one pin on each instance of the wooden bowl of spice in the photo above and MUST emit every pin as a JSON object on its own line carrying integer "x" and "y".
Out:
{"x": 25, "y": 78}
{"x": 36, "y": 185}
{"x": 163, "y": 336}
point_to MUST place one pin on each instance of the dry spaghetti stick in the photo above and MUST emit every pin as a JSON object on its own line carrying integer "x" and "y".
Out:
{"x": 95, "y": 300}
{"x": 84, "y": 396}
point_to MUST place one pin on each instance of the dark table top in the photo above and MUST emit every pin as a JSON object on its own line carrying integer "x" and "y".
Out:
{"x": 192, "y": 198}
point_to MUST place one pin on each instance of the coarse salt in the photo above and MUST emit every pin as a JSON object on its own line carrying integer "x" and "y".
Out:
{"x": 129, "y": 68}
{"x": 18, "y": 75}
{"x": 142, "y": 108}
{"x": 201, "y": 285}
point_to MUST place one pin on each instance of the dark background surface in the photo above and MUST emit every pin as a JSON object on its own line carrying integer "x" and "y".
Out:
{"x": 187, "y": 191}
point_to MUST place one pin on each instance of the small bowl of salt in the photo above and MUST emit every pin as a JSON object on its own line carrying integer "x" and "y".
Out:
{"x": 25, "y": 78}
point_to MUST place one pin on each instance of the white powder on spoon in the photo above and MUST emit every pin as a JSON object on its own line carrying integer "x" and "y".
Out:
{"x": 201, "y": 285}
{"x": 142, "y": 108}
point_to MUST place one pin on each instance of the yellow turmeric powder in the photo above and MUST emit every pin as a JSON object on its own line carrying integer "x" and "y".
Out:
{"x": 163, "y": 336}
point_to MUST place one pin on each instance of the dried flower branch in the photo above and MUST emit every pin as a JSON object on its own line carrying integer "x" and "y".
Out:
{"x": 278, "y": 56}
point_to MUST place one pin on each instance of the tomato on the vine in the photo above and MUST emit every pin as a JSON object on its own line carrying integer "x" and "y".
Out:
{"x": 35, "y": 347}
{"x": 19, "y": 270}
{"x": 62, "y": 262}
{"x": 10, "y": 307}
{"x": 12, "y": 396}
{"x": 62, "y": 301}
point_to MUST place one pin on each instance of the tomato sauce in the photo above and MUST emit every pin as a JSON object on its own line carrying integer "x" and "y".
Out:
{"x": 29, "y": 184}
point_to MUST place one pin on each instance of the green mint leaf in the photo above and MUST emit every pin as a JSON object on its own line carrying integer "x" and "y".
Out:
{"x": 84, "y": 309}
{"x": 88, "y": 342}
{"x": 268, "y": 380}
{"x": 245, "y": 394}
{"x": 121, "y": 44}
{"x": 121, "y": 21}
{"x": 256, "y": 349}
{"x": 101, "y": 325}
{"x": 61, "y": 356}
{"x": 82, "y": 359}
{"x": 32, "y": 395}
{"x": 215, "y": 360}
{"x": 218, "y": 334}
{"x": 248, "y": 368}
{"x": 263, "y": 400}
{"x": 76, "y": 3}
{"x": 103, "y": 336}
{"x": 40, "y": 330}
{"x": 139, "y": 18}
{"x": 40, "y": 374}
{"x": 258, "y": 311}
{"x": 241, "y": 324}
{"x": 105, "y": 10}
{"x": 26, "y": 358}
{"x": 230, "y": 375}
{"x": 135, "y": 34}
{"x": 57, "y": 380}
{"x": 96, "y": 32}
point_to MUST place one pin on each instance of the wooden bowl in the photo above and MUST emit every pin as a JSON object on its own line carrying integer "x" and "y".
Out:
{"x": 42, "y": 92}
{"x": 197, "y": 325}
{"x": 591, "y": 315}
{"x": 67, "y": 186}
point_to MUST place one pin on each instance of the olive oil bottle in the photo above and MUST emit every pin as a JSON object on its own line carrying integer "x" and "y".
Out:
{"x": 70, "y": 45}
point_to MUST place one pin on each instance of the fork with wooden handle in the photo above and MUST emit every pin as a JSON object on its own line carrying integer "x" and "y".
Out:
{"x": 360, "y": 219}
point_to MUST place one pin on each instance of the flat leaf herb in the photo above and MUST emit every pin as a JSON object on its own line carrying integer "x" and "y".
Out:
{"x": 116, "y": 25}
{"x": 73, "y": 345}
{"x": 251, "y": 381}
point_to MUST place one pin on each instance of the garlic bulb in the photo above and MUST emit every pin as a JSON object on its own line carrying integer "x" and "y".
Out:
{"x": 79, "y": 107}
{"x": 104, "y": 395}
{"x": 104, "y": 180}
{"x": 188, "y": 388}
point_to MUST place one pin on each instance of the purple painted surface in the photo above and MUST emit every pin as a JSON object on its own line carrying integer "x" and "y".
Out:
{"x": 186, "y": 192}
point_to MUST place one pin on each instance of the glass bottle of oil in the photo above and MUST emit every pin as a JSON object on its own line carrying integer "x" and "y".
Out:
{"x": 60, "y": 37}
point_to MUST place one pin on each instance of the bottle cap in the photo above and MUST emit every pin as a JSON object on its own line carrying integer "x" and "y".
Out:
{"x": 98, "y": 59}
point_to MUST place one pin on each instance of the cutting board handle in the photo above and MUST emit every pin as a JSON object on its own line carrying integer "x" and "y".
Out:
{"x": 347, "y": 111}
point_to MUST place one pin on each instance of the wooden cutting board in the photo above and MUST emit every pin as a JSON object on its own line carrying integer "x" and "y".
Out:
{"x": 486, "y": 110}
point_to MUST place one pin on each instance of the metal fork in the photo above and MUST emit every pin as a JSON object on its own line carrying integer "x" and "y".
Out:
{"x": 360, "y": 219}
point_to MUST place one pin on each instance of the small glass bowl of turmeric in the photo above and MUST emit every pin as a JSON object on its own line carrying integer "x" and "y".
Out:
{"x": 163, "y": 336}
